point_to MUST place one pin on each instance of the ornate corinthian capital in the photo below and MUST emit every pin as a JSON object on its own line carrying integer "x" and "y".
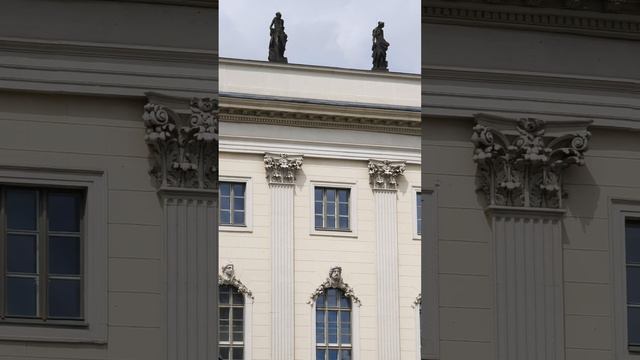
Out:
{"x": 383, "y": 174}
{"x": 521, "y": 162}
{"x": 282, "y": 168}
{"x": 182, "y": 141}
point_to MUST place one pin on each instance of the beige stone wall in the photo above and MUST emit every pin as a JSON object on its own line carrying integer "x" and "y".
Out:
{"x": 315, "y": 254}
{"x": 86, "y": 133}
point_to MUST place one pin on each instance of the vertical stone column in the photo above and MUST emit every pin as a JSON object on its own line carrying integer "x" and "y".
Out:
{"x": 383, "y": 178}
{"x": 521, "y": 163}
{"x": 281, "y": 175}
{"x": 183, "y": 146}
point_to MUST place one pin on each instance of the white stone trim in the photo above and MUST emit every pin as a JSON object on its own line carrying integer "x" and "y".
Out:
{"x": 353, "y": 208}
{"x": 417, "y": 306}
{"x": 430, "y": 316}
{"x": 248, "y": 327}
{"x": 619, "y": 211}
{"x": 95, "y": 255}
{"x": 414, "y": 211}
{"x": 248, "y": 205}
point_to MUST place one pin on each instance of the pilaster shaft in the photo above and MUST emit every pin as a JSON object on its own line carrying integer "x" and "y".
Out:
{"x": 281, "y": 173}
{"x": 383, "y": 178}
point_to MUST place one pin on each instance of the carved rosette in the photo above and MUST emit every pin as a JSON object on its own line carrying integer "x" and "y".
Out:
{"x": 383, "y": 174}
{"x": 228, "y": 277}
{"x": 282, "y": 168}
{"x": 183, "y": 147}
{"x": 523, "y": 168}
{"x": 334, "y": 281}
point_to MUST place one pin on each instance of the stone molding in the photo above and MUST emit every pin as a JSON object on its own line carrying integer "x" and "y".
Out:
{"x": 418, "y": 301}
{"x": 282, "y": 168}
{"x": 593, "y": 22}
{"x": 183, "y": 145}
{"x": 227, "y": 276}
{"x": 383, "y": 174}
{"x": 521, "y": 162}
{"x": 334, "y": 281}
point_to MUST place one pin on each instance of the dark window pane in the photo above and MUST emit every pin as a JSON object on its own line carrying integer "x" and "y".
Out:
{"x": 318, "y": 208}
{"x": 238, "y": 190}
{"x": 22, "y": 209}
{"x": 633, "y": 325}
{"x": 21, "y": 253}
{"x": 318, "y": 221}
{"x": 344, "y": 222}
{"x": 223, "y": 294}
{"x": 332, "y": 326}
{"x": 64, "y": 298}
{"x": 320, "y": 354}
{"x": 320, "y": 300}
{"x": 223, "y": 326}
{"x": 345, "y": 354}
{"x": 225, "y": 217}
{"x": 345, "y": 327}
{"x": 332, "y": 296}
{"x": 633, "y": 285}
{"x": 63, "y": 211}
{"x": 345, "y": 302}
{"x": 331, "y": 195}
{"x": 238, "y": 353}
{"x": 225, "y": 203}
{"x": 225, "y": 189}
{"x": 343, "y": 195}
{"x": 238, "y": 298}
{"x": 343, "y": 209}
{"x": 21, "y": 296}
{"x": 238, "y": 203}
{"x": 633, "y": 242}
{"x": 64, "y": 255}
{"x": 224, "y": 353}
{"x": 331, "y": 222}
{"x": 318, "y": 194}
{"x": 331, "y": 208}
{"x": 320, "y": 326}
{"x": 333, "y": 354}
{"x": 238, "y": 217}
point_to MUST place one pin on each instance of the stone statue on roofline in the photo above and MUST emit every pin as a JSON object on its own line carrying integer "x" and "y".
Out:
{"x": 278, "y": 41}
{"x": 379, "y": 48}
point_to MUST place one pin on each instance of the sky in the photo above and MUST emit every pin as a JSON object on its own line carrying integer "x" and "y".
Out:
{"x": 327, "y": 32}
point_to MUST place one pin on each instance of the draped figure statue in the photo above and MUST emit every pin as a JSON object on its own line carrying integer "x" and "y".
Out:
{"x": 278, "y": 41}
{"x": 379, "y": 48}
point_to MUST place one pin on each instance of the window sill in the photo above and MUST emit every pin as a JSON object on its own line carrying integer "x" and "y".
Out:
{"x": 334, "y": 233}
{"x": 235, "y": 228}
{"x": 635, "y": 349}
{"x": 45, "y": 323}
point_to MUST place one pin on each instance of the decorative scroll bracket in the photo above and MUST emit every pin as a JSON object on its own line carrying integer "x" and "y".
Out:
{"x": 521, "y": 162}
{"x": 383, "y": 174}
{"x": 228, "y": 277}
{"x": 282, "y": 168}
{"x": 182, "y": 137}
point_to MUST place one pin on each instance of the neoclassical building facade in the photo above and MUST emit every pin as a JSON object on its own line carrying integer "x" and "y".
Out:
{"x": 320, "y": 216}
{"x": 108, "y": 172}
{"x": 532, "y": 169}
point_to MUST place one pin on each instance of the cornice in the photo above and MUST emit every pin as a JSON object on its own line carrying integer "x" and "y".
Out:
{"x": 108, "y": 51}
{"x": 590, "y": 23}
{"x": 190, "y": 3}
{"x": 344, "y": 117}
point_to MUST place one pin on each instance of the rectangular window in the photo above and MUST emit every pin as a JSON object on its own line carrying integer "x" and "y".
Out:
{"x": 331, "y": 208}
{"x": 41, "y": 239}
{"x": 419, "y": 213}
{"x": 232, "y": 203}
{"x": 632, "y": 264}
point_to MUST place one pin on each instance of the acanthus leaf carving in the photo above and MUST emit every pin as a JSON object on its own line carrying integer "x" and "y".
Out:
{"x": 282, "y": 168}
{"x": 334, "y": 281}
{"x": 383, "y": 174}
{"x": 183, "y": 147}
{"x": 523, "y": 167}
{"x": 228, "y": 277}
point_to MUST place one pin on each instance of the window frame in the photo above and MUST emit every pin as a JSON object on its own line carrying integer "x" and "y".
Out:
{"x": 233, "y": 343}
{"x": 352, "y": 232}
{"x": 621, "y": 210}
{"x": 429, "y": 328}
{"x": 355, "y": 329}
{"x": 42, "y": 255}
{"x": 414, "y": 212}
{"x": 93, "y": 326}
{"x": 248, "y": 205}
{"x": 247, "y": 323}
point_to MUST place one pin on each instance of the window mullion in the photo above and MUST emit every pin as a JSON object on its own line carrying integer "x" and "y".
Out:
{"x": 324, "y": 208}
{"x": 231, "y": 209}
{"x": 42, "y": 255}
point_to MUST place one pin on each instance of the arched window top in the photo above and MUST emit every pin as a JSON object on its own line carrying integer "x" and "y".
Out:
{"x": 339, "y": 288}
{"x": 227, "y": 277}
